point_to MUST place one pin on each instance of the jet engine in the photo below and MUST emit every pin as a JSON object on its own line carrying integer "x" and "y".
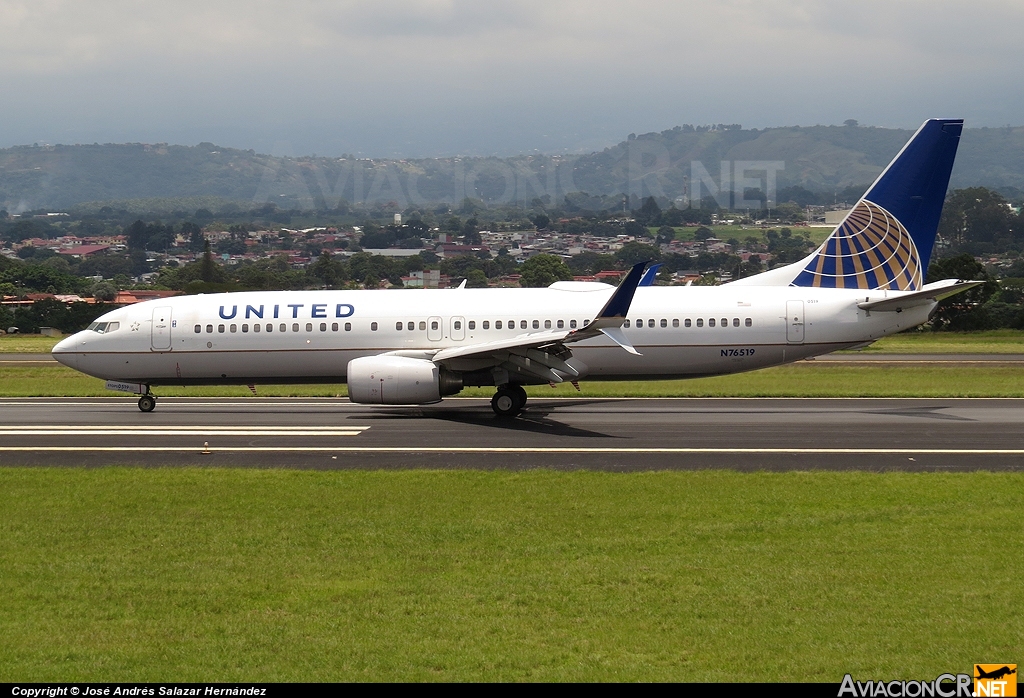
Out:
{"x": 399, "y": 380}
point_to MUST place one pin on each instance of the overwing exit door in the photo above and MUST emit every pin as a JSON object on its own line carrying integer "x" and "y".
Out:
{"x": 161, "y": 333}
{"x": 795, "y": 322}
{"x": 434, "y": 330}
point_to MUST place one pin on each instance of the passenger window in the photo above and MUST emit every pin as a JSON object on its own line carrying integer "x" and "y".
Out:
{"x": 433, "y": 325}
{"x": 410, "y": 326}
{"x": 457, "y": 324}
{"x": 664, "y": 322}
{"x": 373, "y": 326}
{"x": 209, "y": 328}
{"x": 323, "y": 326}
{"x": 112, "y": 327}
{"x": 711, "y": 322}
{"x": 700, "y": 322}
{"x": 233, "y": 328}
{"x": 497, "y": 324}
{"x": 725, "y": 322}
{"x": 295, "y": 327}
{"x": 586, "y": 322}
{"x": 536, "y": 324}
{"x": 284, "y": 327}
{"x": 512, "y": 324}
{"x": 547, "y": 324}
{"x": 522, "y": 324}
{"x": 245, "y": 328}
{"x": 270, "y": 327}
{"x": 561, "y": 324}
{"x": 199, "y": 328}
{"x": 255, "y": 327}
{"x": 686, "y": 322}
{"x": 650, "y": 323}
{"x": 348, "y": 326}
{"x": 748, "y": 322}
{"x": 486, "y": 324}
{"x": 675, "y": 322}
{"x": 625, "y": 323}
{"x": 398, "y": 326}
{"x": 334, "y": 327}
{"x": 472, "y": 324}
{"x": 220, "y": 329}
{"x": 572, "y": 324}
{"x": 309, "y": 327}
{"x": 735, "y": 322}
{"x": 423, "y": 325}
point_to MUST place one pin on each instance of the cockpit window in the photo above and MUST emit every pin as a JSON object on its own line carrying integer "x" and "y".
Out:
{"x": 100, "y": 327}
{"x": 112, "y": 327}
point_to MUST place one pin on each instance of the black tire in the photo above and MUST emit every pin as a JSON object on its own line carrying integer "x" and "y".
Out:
{"x": 505, "y": 403}
{"x": 147, "y": 403}
{"x": 520, "y": 394}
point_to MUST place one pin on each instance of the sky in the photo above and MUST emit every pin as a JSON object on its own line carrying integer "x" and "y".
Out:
{"x": 424, "y": 78}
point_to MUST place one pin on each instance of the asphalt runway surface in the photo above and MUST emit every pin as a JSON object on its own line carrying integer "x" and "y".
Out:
{"x": 619, "y": 434}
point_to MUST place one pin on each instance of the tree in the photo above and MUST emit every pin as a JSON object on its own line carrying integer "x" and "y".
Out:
{"x": 210, "y": 271}
{"x": 962, "y": 311}
{"x": 104, "y": 291}
{"x": 636, "y": 252}
{"x": 543, "y": 270}
{"x": 703, "y": 233}
{"x": 541, "y": 221}
{"x": 649, "y": 213}
{"x": 194, "y": 234}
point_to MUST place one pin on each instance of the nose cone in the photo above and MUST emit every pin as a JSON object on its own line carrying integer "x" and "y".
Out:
{"x": 64, "y": 351}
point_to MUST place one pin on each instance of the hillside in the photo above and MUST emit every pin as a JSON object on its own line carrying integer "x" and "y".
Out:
{"x": 819, "y": 158}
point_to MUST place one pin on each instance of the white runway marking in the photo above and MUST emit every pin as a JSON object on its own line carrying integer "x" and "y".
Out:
{"x": 580, "y": 451}
{"x": 181, "y": 431}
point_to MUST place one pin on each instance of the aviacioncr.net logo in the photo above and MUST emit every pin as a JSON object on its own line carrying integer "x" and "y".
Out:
{"x": 943, "y": 686}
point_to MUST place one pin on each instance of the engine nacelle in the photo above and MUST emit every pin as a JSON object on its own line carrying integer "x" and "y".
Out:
{"x": 396, "y": 380}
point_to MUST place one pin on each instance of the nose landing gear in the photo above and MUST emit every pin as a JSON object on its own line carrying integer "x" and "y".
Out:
{"x": 147, "y": 403}
{"x": 509, "y": 400}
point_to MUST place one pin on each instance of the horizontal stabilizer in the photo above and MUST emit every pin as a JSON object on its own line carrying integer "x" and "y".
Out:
{"x": 932, "y": 293}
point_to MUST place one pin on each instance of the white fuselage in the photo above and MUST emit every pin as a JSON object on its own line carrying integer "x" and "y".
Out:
{"x": 312, "y": 335}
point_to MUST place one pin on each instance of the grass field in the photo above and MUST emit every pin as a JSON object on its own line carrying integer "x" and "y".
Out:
{"x": 231, "y": 575}
{"x": 805, "y": 379}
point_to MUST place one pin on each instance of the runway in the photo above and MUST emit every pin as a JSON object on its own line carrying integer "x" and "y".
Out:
{"x": 577, "y": 433}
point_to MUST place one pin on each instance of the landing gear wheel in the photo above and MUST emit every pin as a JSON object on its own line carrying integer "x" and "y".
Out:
{"x": 505, "y": 403}
{"x": 147, "y": 403}
{"x": 520, "y": 394}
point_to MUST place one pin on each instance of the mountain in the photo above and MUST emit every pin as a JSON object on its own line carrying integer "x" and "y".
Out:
{"x": 819, "y": 158}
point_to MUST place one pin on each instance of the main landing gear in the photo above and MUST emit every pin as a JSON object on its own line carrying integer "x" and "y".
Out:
{"x": 147, "y": 403}
{"x": 509, "y": 400}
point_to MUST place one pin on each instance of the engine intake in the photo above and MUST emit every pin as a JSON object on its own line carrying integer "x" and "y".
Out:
{"x": 398, "y": 380}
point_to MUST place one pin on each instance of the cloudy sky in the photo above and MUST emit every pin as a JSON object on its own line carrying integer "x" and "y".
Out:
{"x": 437, "y": 77}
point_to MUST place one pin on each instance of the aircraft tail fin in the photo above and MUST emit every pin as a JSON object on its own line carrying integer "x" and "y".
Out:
{"x": 886, "y": 240}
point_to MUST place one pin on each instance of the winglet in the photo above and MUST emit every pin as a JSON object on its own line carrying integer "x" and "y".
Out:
{"x": 618, "y": 305}
{"x": 650, "y": 275}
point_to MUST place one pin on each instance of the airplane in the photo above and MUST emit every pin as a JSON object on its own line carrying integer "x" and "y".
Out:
{"x": 414, "y": 347}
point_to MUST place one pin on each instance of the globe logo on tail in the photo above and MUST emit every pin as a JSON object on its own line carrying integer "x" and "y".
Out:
{"x": 870, "y": 249}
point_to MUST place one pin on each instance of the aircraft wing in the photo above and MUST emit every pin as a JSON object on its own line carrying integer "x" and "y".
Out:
{"x": 545, "y": 354}
{"x": 930, "y": 293}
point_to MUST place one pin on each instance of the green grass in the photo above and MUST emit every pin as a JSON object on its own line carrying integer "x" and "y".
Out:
{"x": 244, "y": 575}
{"x": 991, "y": 342}
{"x": 805, "y": 379}
{"x": 26, "y": 343}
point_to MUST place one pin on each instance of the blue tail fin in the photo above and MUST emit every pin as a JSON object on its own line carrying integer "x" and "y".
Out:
{"x": 886, "y": 240}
